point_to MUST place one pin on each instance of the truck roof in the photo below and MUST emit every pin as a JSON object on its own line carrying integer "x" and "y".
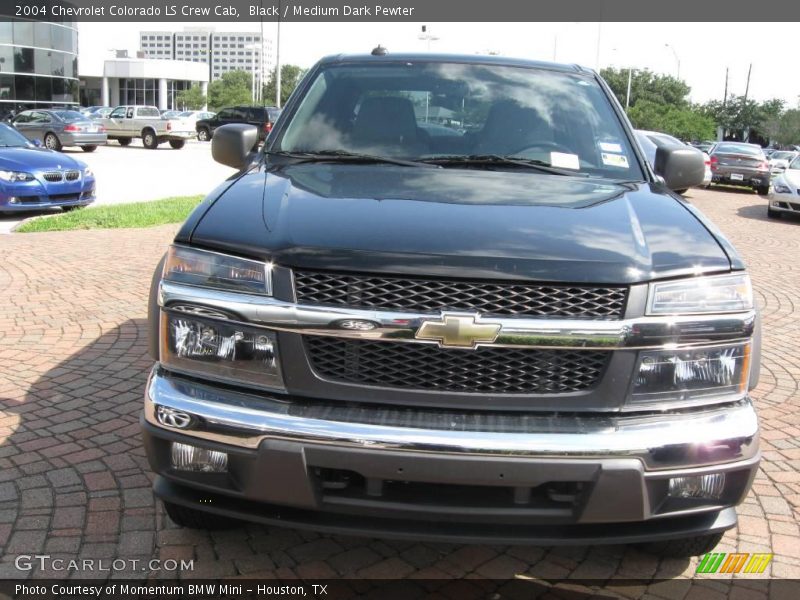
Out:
{"x": 460, "y": 58}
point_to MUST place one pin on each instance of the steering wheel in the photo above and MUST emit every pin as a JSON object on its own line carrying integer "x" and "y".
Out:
{"x": 553, "y": 146}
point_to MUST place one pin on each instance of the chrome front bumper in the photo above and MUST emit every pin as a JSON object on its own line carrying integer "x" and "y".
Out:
{"x": 685, "y": 439}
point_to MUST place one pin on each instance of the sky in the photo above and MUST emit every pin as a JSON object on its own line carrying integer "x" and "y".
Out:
{"x": 657, "y": 46}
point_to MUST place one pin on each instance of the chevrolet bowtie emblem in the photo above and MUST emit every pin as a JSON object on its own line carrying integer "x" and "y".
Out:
{"x": 460, "y": 331}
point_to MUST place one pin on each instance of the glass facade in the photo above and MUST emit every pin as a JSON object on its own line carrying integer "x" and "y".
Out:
{"x": 145, "y": 91}
{"x": 38, "y": 65}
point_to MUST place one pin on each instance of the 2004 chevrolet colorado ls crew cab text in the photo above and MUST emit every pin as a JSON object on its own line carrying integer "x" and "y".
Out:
{"x": 450, "y": 300}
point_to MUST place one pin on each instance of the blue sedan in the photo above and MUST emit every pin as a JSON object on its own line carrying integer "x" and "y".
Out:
{"x": 33, "y": 178}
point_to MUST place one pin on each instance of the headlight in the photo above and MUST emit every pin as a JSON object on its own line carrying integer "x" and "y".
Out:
{"x": 698, "y": 374}
{"x": 716, "y": 294}
{"x": 219, "y": 271}
{"x": 779, "y": 188}
{"x": 87, "y": 172}
{"x": 14, "y": 176}
{"x": 225, "y": 351}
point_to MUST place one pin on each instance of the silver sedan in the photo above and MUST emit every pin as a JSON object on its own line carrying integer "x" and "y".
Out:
{"x": 58, "y": 128}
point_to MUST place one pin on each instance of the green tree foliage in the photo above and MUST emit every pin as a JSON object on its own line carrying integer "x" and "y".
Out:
{"x": 290, "y": 77}
{"x": 646, "y": 85}
{"x": 234, "y": 87}
{"x": 191, "y": 99}
{"x": 787, "y": 131}
{"x": 685, "y": 123}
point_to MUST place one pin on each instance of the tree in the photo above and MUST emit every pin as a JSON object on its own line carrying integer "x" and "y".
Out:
{"x": 739, "y": 115}
{"x": 788, "y": 131}
{"x": 192, "y": 98}
{"x": 686, "y": 123}
{"x": 234, "y": 87}
{"x": 290, "y": 77}
{"x": 646, "y": 85}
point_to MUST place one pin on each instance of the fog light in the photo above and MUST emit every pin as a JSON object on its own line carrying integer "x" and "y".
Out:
{"x": 13, "y": 200}
{"x": 708, "y": 487}
{"x": 191, "y": 458}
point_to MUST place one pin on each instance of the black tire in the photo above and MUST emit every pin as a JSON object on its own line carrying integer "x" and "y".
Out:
{"x": 683, "y": 547}
{"x": 203, "y": 134}
{"x": 88, "y": 148}
{"x": 177, "y": 144}
{"x": 682, "y": 192}
{"x": 124, "y": 141}
{"x": 197, "y": 519}
{"x": 149, "y": 139}
{"x": 762, "y": 190}
{"x": 773, "y": 214}
{"x": 51, "y": 142}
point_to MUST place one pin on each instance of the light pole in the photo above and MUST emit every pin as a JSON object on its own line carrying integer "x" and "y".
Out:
{"x": 427, "y": 36}
{"x": 677, "y": 59}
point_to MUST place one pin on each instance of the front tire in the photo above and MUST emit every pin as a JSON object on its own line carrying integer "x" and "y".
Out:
{"x": 124, "y": 141}
{"x": 683, "y": 547}
{"x": 762, "y": 190}
{"x": 150, "y": 139}
{"x": 177, "y": 144}
{"x": 197, "y": 519}
{"x": 88, "y": 148}
{"x": 203, "y": 134}
{"x": 51, "y": 142}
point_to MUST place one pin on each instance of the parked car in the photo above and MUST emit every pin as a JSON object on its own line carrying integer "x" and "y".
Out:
{"x": 88, "y": 110}
{"x": 59, "y": 128}
{"x": 171, "y": 114}
{"x": 32, "y": 177}
{"x": 703, "y": 146}
{"x": 263, "y": 117}
{"x": 100, "y": 113}
{"x": 780, "y": 159}
{"x": 651, "y": 140}
{"x": 739, "y": 163}
{"x": 518, "y": 335}
{"x": 145, "y": 122}
{"x": 192, "y": 116}
{"x": 784, "y": 194}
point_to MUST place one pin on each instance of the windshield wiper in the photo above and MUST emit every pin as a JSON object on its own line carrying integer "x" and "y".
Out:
{"x": 497, "y": 159}
{"x": 344, "y": 156}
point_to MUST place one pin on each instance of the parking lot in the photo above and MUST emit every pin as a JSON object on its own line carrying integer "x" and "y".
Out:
{"x": 74, "y": 481}
{"x": 136, "y": 174}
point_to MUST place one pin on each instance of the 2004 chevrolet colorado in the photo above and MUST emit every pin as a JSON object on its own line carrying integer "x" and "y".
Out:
{"x": 449, "y": 299}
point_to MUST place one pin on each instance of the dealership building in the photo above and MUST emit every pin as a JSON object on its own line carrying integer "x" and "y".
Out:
{"x": 139, "y": 80}
{"x": 38, "y": 65}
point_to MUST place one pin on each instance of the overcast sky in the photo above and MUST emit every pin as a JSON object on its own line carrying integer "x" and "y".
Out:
{"x": 770, "y": 47}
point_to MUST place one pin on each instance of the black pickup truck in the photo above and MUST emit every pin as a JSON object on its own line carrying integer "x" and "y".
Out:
{"x": 450, "y": 300}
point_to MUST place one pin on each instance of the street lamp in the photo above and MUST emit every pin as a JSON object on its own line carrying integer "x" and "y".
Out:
{"x": 253, "y": 48}
{"x": 628, "y": 91}
{"x": 677, "y": 58}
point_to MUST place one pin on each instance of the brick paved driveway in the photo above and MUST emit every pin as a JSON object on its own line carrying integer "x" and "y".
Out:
{"x": 74, "y": 480}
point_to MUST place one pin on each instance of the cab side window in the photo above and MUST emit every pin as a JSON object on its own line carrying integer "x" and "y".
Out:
{"x": 118, "y": 113}
{"x": 129, "y": 113}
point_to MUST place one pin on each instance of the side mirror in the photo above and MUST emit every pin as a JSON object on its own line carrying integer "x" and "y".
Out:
{"x": 681, "y": 167}
{"x": 231, "y": 144}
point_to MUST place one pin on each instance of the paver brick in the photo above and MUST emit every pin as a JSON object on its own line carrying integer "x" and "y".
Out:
{"x": 74, "y": 479}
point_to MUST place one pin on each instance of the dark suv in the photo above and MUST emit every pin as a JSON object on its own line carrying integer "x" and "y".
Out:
{"x": 451, "y": 300}
{"x": 263, "y": 117}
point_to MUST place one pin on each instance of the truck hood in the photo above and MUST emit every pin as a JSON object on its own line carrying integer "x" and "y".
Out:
{"x": 508, "y": 224}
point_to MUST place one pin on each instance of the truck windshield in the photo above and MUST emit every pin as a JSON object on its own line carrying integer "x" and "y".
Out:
{"x": 447, "y": 110}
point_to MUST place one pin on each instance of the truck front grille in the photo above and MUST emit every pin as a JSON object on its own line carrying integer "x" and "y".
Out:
{"x": 434, "y": 295}
{"x": 428, "y": 367}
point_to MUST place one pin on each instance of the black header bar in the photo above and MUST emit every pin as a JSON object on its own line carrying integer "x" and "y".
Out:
{"x": 710, "y": 11}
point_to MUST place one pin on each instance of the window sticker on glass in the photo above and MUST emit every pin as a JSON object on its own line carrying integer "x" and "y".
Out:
{"x": 615, "y": 160}
{"x": 564, "y": 160}
{"x": 610, "y": 147}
